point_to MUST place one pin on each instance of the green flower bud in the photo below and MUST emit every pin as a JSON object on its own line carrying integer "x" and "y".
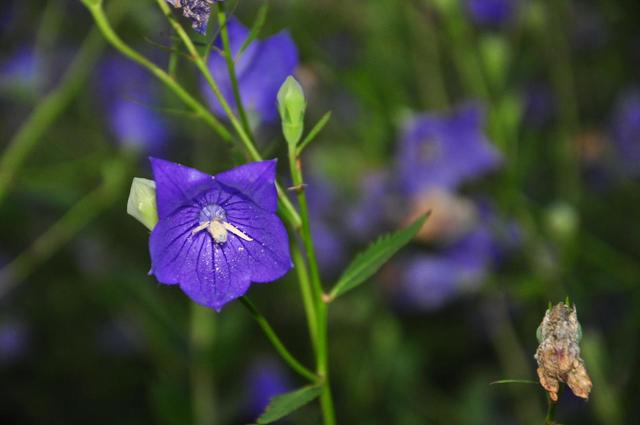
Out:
{"x": 292, "y": 106}
{"x": 142, "y": 202}
{"x": 562, "y": 221}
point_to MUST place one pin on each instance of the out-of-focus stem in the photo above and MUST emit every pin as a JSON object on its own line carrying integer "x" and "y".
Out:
{"x": 202, "y": 389}
{"x": 551, "y": 411}
{"x": 48, "y": 110}
{"x": 82, "y": 213}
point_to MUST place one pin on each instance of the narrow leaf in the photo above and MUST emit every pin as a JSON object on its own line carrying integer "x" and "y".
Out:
{"x": 284, "y": 404}
{"x": 378, "y": 253}
{"x": 255, "y": 29}
{"x": 314, "y": 132}
{"x": 514, "y": 381}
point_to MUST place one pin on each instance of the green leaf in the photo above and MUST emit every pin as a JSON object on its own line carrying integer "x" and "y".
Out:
{"x": 255, "y": 29}
{"x": 378, "y": 253}
{"x": 514, "y": 381}
{"x": 282, "y": 405}
{"x": 314, "y": 132}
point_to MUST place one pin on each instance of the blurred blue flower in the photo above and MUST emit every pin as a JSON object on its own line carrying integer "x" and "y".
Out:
{"x": 626, "y": 131}
{"x": 328, "y": 236}
{"x": 129, "y": 96}
{"x": 265, "y": 380}
{"x": 261, "y": 69}
{"x": 538, "y": 104}
{"x": 14, "y": 340}
{"x": 216, "y": 235}
{"x": 22, "y": 71}
{"x": 491, "y": 13}
{"x": 445, "y": 150}
{"x": 428, "y": 281}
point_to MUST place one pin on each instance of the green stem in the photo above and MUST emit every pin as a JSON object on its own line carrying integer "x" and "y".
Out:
{"x": 287, "y": 209}
{"x": 82, "y": 213}
{"x": 113, "y": 38}
{"x": 48, "y": 110}
{"x": 202, "y": 388}
{"x": 305, "y": 288}
{"x": 228, "y": 54}
{"x": 321, "y": 346}
{"x": 277, "y": 343}
{"x": 551, "y": 412}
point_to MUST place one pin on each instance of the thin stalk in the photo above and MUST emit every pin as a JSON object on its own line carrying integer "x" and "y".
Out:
{"x": 277, "y": 343}
{"x": 322, "y": 358}
{"x": 202, "y": 337}
{"x": 76, "y": 218}
{"x": 551, "y": 412}
{"x": 107, "y": 31}
{"x": 228, "y": 54}
{"x": 48, "y": 110}
{"x": 305, "y": 288}
{"x": 287, "y": 209}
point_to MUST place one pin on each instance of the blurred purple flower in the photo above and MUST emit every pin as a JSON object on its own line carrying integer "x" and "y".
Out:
{"x": 23, "y": 70}
{"x": 445, "y": 150}
{"x": 428, "y": 281}
{"x": 265, "y": 380}
{"x": 626, "y": 131}
{"x": 261, "y": 69}
{"x": 539, "y": 105}
{"x": 491, "y": 13}
{"x": 217, "y": 234}
{"x": 329, "y": 245}
{"x": 197, "y": 11}
{"x": 14, "y": 340}
{"x": 128, "y": 93}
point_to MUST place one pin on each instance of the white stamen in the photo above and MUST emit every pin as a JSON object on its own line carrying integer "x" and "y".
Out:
{"x": 239, "y": 233}
{"x": 200, "y": 228}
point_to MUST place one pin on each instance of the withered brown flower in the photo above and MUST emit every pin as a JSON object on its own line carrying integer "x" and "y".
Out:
{"x": 558, "y": 354}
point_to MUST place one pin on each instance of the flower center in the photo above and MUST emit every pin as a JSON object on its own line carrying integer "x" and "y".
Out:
{"x": 213, "y": 218}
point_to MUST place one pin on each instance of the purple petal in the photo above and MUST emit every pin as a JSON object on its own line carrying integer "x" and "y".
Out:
{"x": 267, "y": 256}
{"x": 254, "y": 180}
{"x": 273, "y": 63}
{"x": 170, "y": 244}
{"x": 177, "y": 185}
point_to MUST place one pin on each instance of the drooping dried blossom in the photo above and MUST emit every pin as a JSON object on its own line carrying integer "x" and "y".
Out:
{"x": 197, "y": 11}
{"x": 558, "y": 354}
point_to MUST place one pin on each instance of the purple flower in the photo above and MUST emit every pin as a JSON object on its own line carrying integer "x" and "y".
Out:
{"x": 445, "y": 150}
{"x": 14, "y": 340}
{"x": 197, "y": 11}
{"x": 23, "y": 70}
{"x": 265, "y": 380}
{"x": 491, "y": 13}
{"x": 261, "y": 69}
{"x": 626, "y": 131}
{"x": 217, "y": 234}
{"x": 128, "y": 94}
{"x": 429, "y": 281}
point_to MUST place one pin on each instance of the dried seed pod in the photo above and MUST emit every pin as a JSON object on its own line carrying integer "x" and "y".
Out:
{"x": 558, "y": 354}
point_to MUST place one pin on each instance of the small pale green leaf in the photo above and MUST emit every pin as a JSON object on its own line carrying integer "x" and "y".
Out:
{"x": 255, "y": 29}
{"x": 514, "y": 381}
{"x": 141, "y": 204}
{"x": 378, "y": 253}
{"x": 284, "y": 404}
{"x": 314, "y": 131}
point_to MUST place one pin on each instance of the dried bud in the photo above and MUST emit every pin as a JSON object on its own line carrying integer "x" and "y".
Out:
{"x": 558, "y": 354}
{"x": 292, "y": 106}
{"x": 142, "y": 202}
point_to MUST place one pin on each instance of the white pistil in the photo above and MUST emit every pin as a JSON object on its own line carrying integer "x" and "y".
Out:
{"x": 218, "y": 230}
